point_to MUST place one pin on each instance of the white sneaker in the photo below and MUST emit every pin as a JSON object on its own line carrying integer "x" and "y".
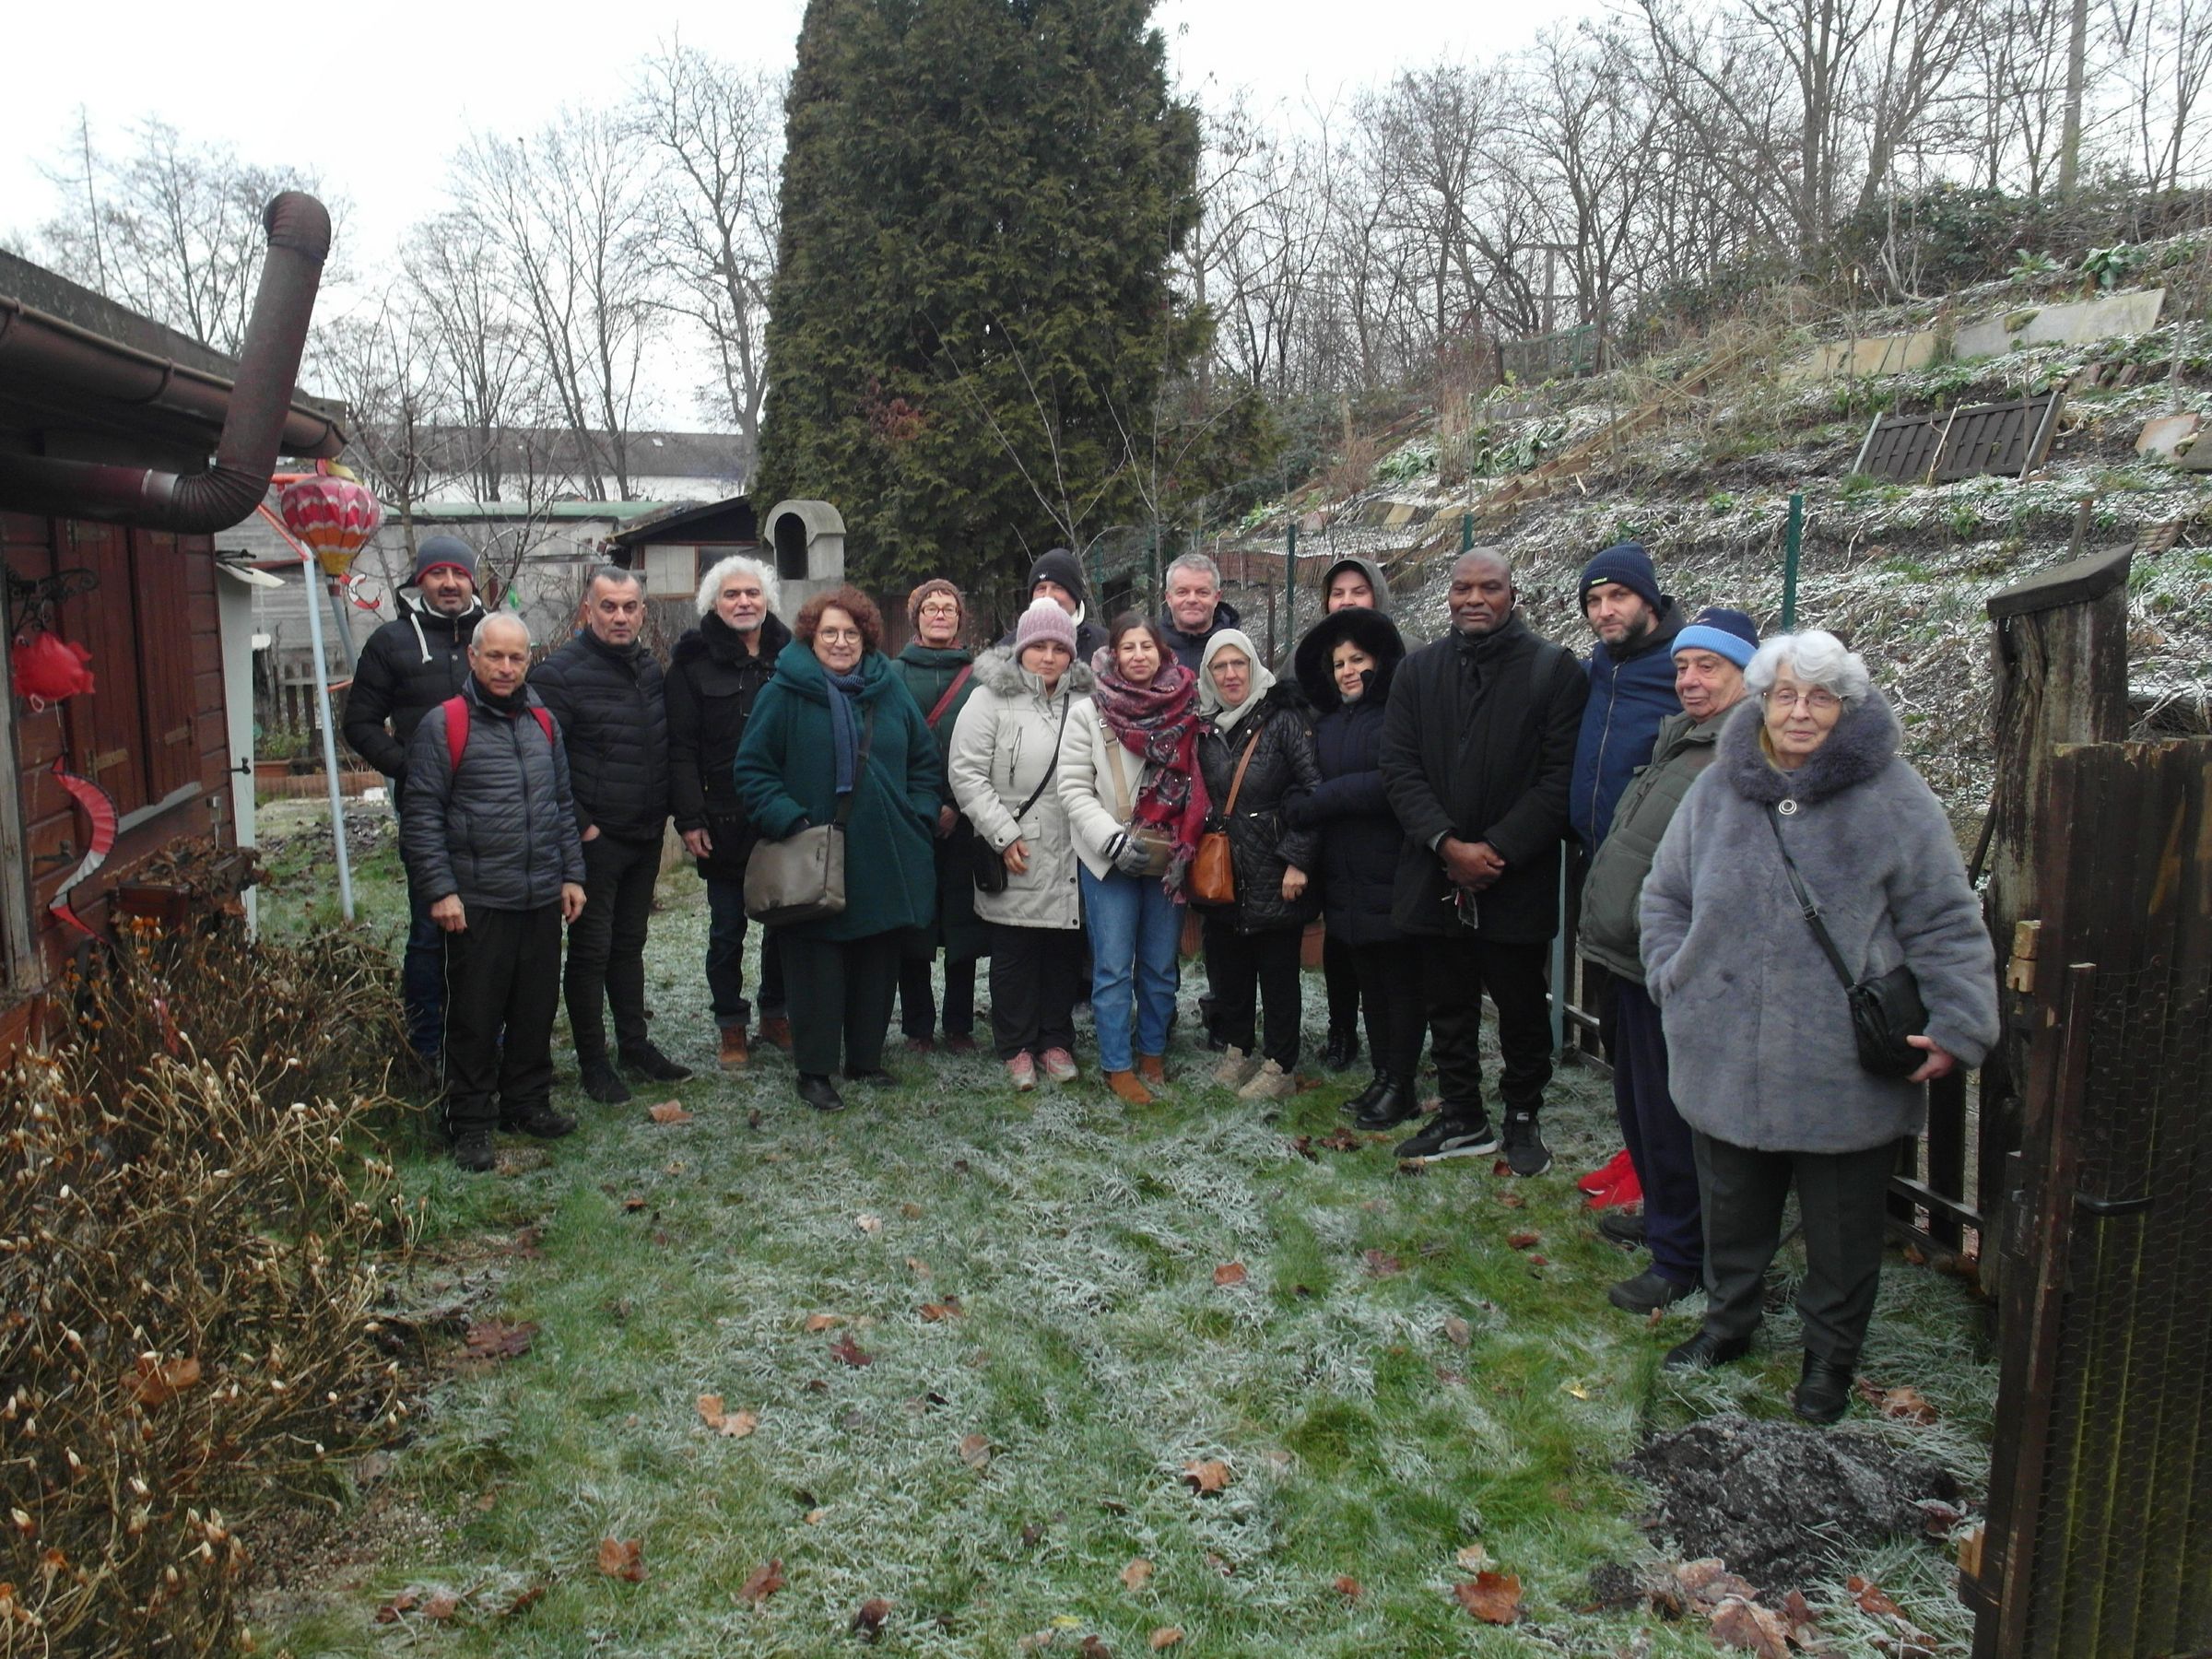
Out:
{"x": 1236, "y": 1069}
{"x": 1271, "y": 1082}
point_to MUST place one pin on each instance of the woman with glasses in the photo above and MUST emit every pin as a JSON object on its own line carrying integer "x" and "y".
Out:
{"x": 1807, "y": 791}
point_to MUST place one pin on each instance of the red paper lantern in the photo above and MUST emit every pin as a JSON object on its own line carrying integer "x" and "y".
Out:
{"x": 334, "y": 516}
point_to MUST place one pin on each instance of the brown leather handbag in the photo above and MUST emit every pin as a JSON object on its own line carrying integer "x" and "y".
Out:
{"x": 1213, "y": 878}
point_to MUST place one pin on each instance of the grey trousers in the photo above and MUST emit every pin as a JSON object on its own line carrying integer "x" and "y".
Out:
{"x": 1841, "y": 1195}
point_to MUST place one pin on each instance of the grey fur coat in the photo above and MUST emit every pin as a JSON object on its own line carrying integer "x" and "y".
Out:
{"x": 1759, "y": 1040}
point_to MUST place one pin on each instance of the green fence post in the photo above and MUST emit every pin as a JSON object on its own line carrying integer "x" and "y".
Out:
{"x": 1792, "y": 543}
{"x": 1467, "y": 533}
{"x": 1289, "y": 583}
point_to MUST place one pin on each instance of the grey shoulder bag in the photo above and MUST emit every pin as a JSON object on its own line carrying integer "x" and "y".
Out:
{"x": 1885, "y": 1011}
{"x": 802, "y": 877}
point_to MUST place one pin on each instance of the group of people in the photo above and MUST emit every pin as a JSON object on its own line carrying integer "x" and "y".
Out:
{"x": 1060, "y": 801}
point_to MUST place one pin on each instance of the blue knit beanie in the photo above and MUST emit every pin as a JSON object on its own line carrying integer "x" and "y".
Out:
{"x": 1728, "y": 633}
{"x": 1627, "y": 564}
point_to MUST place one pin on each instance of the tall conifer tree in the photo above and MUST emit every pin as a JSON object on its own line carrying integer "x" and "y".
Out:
{"x": 974, "y": 326}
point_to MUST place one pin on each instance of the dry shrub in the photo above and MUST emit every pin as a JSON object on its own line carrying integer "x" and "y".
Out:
{"x": 192, "y": 1208}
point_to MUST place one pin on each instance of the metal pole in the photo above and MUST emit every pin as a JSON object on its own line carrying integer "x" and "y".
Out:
{"x": 1792, "y": 545}
{"x": 1289, "y": 583}
{"x": 334, "y": 591}
{"x": 330, "y": 740}
{"x": 1558, "y": 971}
{"x": 1467, "y": 533}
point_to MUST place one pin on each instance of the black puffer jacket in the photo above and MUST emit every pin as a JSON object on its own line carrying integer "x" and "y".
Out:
{"x": 614, "y": 719}
{"x": 501, "y": 831}
{"x": 1262, "y": 843}
{"x": 710, "y": 688}
{"x": 407, "y": 669}
{"x": 1359, "y": 834}
{"x": 1190, "y": 648}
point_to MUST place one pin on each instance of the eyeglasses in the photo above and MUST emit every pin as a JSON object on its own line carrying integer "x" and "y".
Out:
{"x": 1813, "y": 699}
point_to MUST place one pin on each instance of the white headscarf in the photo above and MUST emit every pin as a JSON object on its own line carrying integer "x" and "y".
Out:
{"x": 1209, "y": 699}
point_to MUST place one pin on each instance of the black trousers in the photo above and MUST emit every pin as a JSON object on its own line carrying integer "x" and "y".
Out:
{"x": 917, "y": 997}
{"x": 1455, "y": 971}
{"x": 1388, "y": 977}
{"x": 838, "y": 993}
{"x": 1340, "y": 978}
{"x": 1247, "y": 973}
{"x": 1035, "y": 979}
{"x": 502, "y": 974}
{"x": 607, "y": 945}
{"x": 1843, "y": 1197}
{"x": 1657, "y": 1138}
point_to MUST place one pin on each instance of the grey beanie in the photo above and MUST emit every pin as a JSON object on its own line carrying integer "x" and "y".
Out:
{"x": 444, "y": 552}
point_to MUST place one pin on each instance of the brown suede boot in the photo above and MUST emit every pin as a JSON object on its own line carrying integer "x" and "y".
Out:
{"x": 734, "y": 1053}
{"x": 1125, "y": 1085}
{"x": 1152, "y": 1068}
{"x": 775, "y": 1031}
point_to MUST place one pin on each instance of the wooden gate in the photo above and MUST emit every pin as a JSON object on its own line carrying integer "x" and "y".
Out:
{"x": 2099, "y": 1532}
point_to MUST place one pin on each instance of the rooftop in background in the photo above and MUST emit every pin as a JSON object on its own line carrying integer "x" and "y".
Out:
{"x": 716, "y": 457}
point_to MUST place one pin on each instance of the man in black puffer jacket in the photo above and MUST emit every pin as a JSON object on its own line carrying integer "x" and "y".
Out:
{"x": 605, "y": 688}
{"x": 490, "y": 837}
{"x": 407, "y": 669}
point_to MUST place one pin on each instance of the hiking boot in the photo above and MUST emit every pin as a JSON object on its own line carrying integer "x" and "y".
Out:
{"x": 1153, "y": 1069}
{"x": 1525, "y": 1153}
{"x": 1705, "y": 1350}
{"x": 1059, "y": 1065}
{"x": 1622, "y": 1228}
{"x": 1343, "y": 1048}
{"x": 1235, "y": 1068}
{"x": 1127, "y": 1088}
{"x": 472, "y": 1151}
{"x": 647, "y": 1061}
{"x": 1823, "y": 1394}
{"x": 601, "y": 1083}
{"x": 1647, "y": 1293}
{"x": 734, "y": 1055}
{"x": 1452, "y": 1135}
{"x": 539, "y": 1119}
{"x": 1393, "y": 1104}
{"x": 815, "y": 1090}
{"x": 1367, "y": 1096}
{"x": 1271, "y": 1082}
{"x": 1022, "y": 1071}
{"x": 775, "y": 1031}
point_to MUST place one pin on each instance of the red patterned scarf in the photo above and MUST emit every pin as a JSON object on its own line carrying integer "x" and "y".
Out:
{"x": 1158, "y": 723}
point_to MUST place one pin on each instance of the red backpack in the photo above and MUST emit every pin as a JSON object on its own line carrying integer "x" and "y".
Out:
{"x": 456, "y": 728}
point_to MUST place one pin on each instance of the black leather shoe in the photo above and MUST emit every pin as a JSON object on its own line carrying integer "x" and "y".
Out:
{"x": 650, "y": 1062}
{"x": 1393, "y": 1106}
{"x": 1622, "y": 1228}
{"x": 1823, "y": 1393}
{"x": 1367, "y": 1096}
{"x": 874, "y": 1078}
{"x": 1705, "y": 1350}
{"x": 816, "y": 1091}
{"x": 1647, "y": 1293}
{"x": 472, "y": 1151}
{"x": 539, "y": 1119}
{"x": 1341, "y": 1050}
{"x": 601, "y": 1083}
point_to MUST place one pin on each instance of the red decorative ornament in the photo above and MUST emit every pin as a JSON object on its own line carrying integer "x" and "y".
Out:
{"x": 334, "y": 516}
{"x": 49, "y": 668}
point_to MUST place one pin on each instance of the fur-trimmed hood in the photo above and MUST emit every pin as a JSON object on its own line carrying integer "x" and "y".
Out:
{"x": 1862, "y": 744}
{"x": 996, "y": 670}
{"x": 1372, "y": 631}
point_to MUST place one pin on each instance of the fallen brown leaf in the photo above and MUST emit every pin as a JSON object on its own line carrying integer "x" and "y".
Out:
{"x": 1229, "y": 1273}
{"x": 818, "y": 1322}
{"x": 1343, "y": 1140}
{"x": 156, "y": 1381}
{"x": 1473, "y": 1558}
{"x": 1752, "y": 1629}
{"x": 524, "y": 1599}
{"x": 1094, "y": 1647}
{"x": 917, "y": 1266}
{"x": 1347, "y": 1586}
{"x": 975, "y": 1451}
{"x": 1525, "y": 1241}
{"x": 1797, "y": 1614}
{"x": 948, "y": 1309}
{"x": 851, "y": 1352}
{"x": 1493, "y": 1597}
{"x": 441, "y": 1606}
{"x": 735, "y": 1424}
{"x": 1412, "y": 1166}
{"x": 634, "y": 1203}
{"x": 496, "y": 1339}
{"x": 1512, "y": 1200}
{"x": 1303, "y": 1145}
{"x": 871, "y": 1225}
{"x": 622, "y": 1558}
{"x": 1869, "y": 1596}
{"x": 867, "y": 1618}
{"x": 1207, "y": 1476}
{"x": 1166, "y": 1636}
{"x": 1382, "y": 1264}
{"x": 1709, "y": 1580}
{"x": 1135, "y": 1574}
{"x": 406, "y": 1601}
{"x": 1906, "y": 1403}
{"x": 668, "y": 1111}
{"x": 1457, "y": 1331}
{"x": 813, "y": 1516}
{"x": 763, "y": 1583}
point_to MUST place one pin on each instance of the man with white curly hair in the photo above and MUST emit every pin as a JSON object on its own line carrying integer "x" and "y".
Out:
{"x": 714, "y": 674}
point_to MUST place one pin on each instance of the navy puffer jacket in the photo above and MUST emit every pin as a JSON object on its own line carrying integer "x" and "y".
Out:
{"x": 1359, "y": 834}
{"x": 1631, "y": 692}
{"x": 614, "y": 719}
{"x": 500, "y": 830}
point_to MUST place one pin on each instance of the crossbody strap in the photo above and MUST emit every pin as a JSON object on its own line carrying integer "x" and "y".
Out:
{"x": 860, "y": 766}
{"x": 1228, "y": 808}
{"x": 1806, "y": 907}
{"x": 951, "y": 692}
{"x": 1037, "y": 793}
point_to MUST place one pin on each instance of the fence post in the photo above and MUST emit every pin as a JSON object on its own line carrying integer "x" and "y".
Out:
{"x": 1467, "y": 533}
{"x": 1792, "y": 543}
{"x": 1289, "y": 584}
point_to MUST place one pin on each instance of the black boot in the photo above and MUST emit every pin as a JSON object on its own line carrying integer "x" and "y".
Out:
{"x": 1823, "y": 1393}
{"x": 601, "y": 1083}
{"x": 1343, "y": 1048}
{"x": 815, "y": 1090}
{"x": 1393, "y": 1106}
{"x": 1367, "y": 1096}
{"x": 648, "y": 1062}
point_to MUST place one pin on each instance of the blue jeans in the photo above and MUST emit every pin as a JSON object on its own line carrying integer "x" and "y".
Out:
{"x": 1134, "y": 931}
{"x": 725, "y": 959}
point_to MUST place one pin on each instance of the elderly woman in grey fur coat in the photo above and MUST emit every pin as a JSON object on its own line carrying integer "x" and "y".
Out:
{"x": 1759, "y": 1033}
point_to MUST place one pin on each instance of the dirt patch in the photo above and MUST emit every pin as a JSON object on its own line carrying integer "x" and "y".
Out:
{"x": 1777, "y": 1501}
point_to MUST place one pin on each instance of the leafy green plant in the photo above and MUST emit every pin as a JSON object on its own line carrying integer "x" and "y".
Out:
{"x": 1410, "y": 461}
{"x": 2108, "y": 267}
{"x": 1719, "y": 502}
{"x": 2026, "y": 265}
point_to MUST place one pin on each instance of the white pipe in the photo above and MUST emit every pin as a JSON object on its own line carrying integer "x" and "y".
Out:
{"x": 312, "y": 573}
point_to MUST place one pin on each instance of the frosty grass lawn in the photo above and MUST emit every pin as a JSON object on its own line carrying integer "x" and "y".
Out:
{"x": 983, "y": 1336}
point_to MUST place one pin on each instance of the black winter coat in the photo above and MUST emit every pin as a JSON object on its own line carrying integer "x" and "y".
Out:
{"x": 407, "y": 669}
{"x": 710, "y": 687}
{"x": 1262, "y": 843}
{"x": 614, "y": 718}
{"x": 1479, "y": 743}
{"x": 1360, "y": 837}
{"x": 501, "y": 831}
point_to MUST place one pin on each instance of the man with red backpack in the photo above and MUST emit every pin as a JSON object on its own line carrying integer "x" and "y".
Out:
{"x": 490, "y": 837}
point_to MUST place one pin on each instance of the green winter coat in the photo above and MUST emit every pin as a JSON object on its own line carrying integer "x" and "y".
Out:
{"x": 927, "y": 674}
{"x": 785, "y": 774}
{"x": 1610, "y": 933}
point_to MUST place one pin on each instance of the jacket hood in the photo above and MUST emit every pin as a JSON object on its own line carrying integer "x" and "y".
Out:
{"x": 1367, "y": 567}
{"x": 1057, "y": 564}
{"x": 1372, "y": 631}
{"x": 717, "y": 638}
{"x": 799, "y": 670}
{"x": 1861, "y": 743}
{"x": 997, "y": 671}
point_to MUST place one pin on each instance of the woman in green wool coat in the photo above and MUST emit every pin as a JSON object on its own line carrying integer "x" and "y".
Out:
{"x": 938, "y": 671}
{"x": 837, "y": 720}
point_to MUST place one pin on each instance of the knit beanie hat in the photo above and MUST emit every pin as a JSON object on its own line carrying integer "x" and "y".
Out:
{"x": 1625, "y": 563}
{"x": 1728, "y": 633}
{"x": 444, "y": 552}
{"x": 935, "y": 584}
{"x": 1058, "y": 565}
{"x": 1044, "y": 620}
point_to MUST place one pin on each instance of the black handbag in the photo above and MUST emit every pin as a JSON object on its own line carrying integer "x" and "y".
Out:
{"x": 1885, "y": 1011}
{"x": 986, "y": 863}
